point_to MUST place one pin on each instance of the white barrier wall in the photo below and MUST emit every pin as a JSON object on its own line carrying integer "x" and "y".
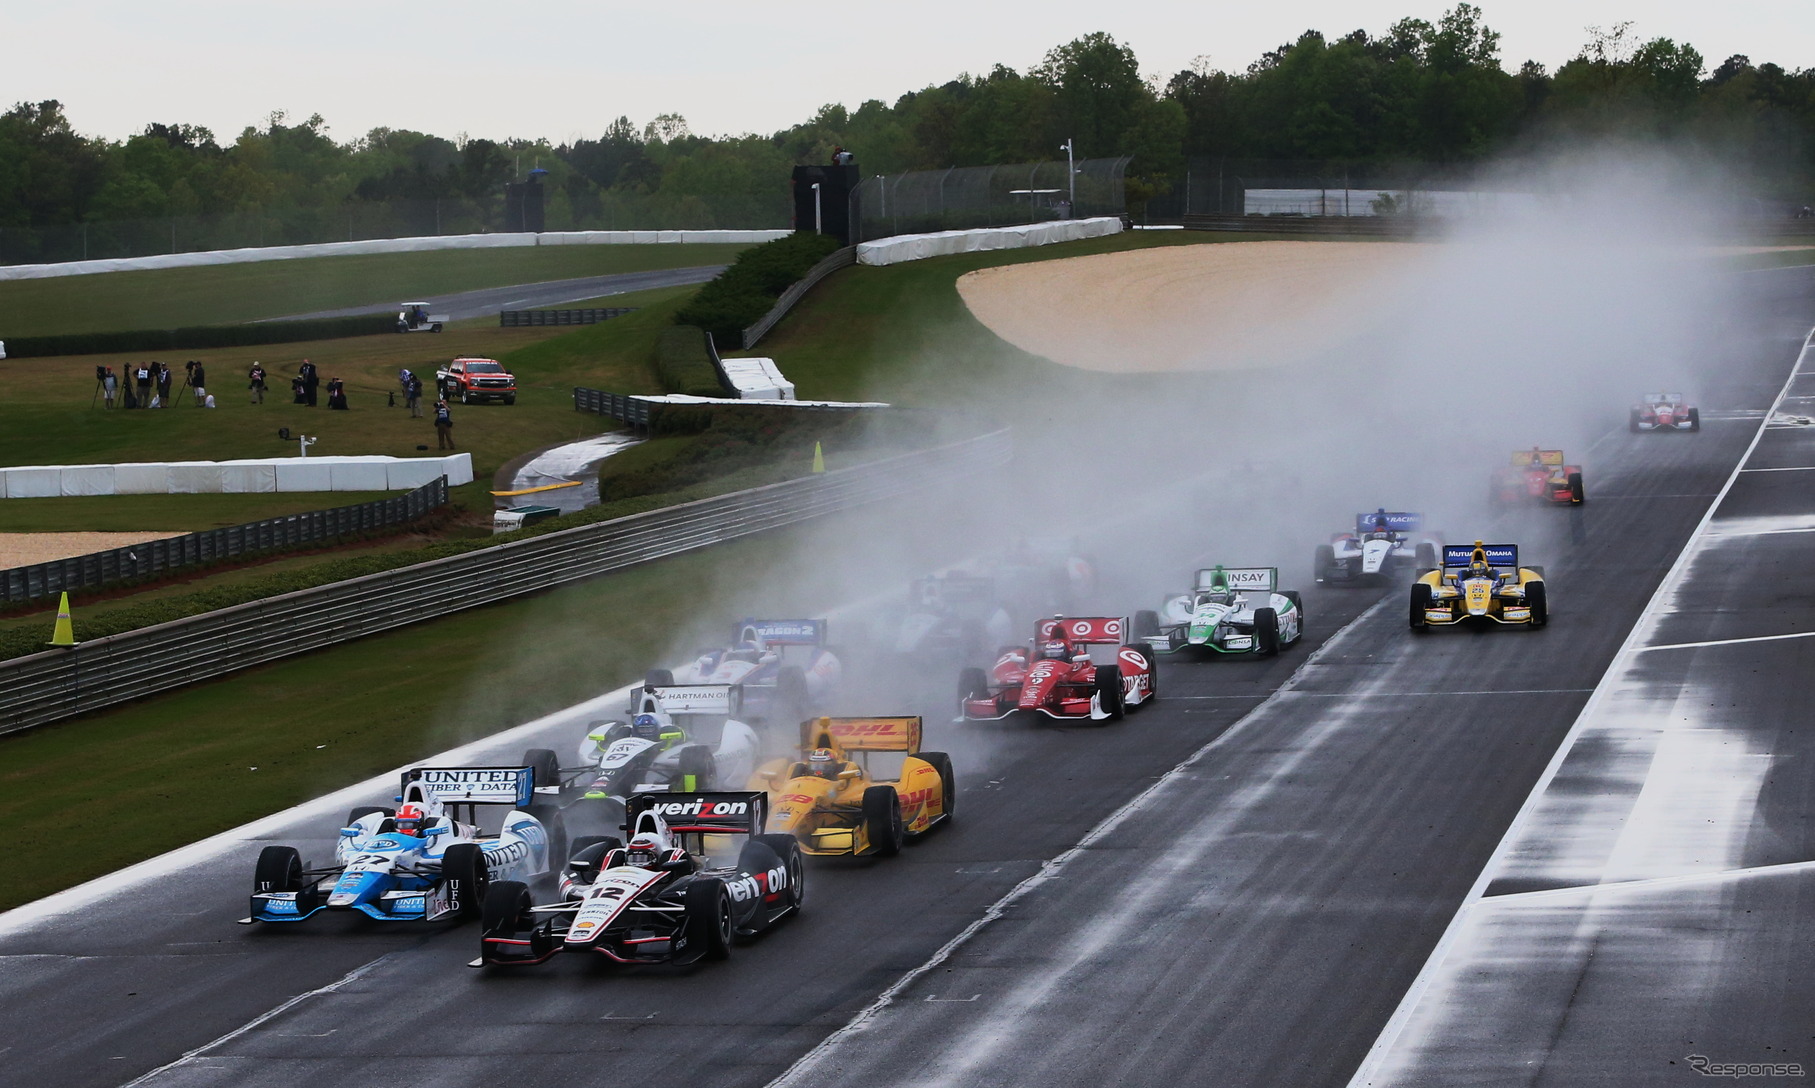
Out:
{"x": 758, "y": 379}
{"x": 235, "y": 477}
{"x": 916, "y": 247}
{"x": 393, "y": 245}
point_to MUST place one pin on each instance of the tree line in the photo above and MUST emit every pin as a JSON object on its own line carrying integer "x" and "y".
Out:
{"x": 1433, "y": 93}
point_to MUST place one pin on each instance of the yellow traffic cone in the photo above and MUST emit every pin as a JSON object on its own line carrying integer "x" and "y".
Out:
{"x": 819, "y": 458}
{"x": 64, "y": 635}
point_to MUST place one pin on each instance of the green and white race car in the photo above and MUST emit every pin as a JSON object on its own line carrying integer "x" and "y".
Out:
{"x": 1230, "y": 610}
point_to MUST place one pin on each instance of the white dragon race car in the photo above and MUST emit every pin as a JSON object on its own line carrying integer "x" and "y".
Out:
{"x": 782, "y": 666}
{"x": 1230, "y": 610}
{"x": 1383, "y": 544}
{"x": 426, "y": 860}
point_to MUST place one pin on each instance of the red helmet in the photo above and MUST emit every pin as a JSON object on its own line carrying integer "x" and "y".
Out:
{"x": 409, "y": 819}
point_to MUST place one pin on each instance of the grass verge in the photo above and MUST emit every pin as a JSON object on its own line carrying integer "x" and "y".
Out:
{"x": 165, "y": 513}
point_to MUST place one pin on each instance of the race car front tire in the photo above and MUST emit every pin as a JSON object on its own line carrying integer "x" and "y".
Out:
{"x": 882, "y": 819}
{"x": 465, "y": 877}
{"x": 1109, "y": 692}
{"x": 546, "y": 764}
{"x": 1321, "y": 563}
{"x": 696, "y": 763}
{"x": 709, "y": 916}
{"x": 1695, "y": 419}
{"x": 505, "y": 911}
{"x": 948, "y": 782}
{"x": 1266, "y": 632}
{"x": 1146, "y": 623}
{"x": 1421, "y": 600}
{"x": 1632, "y": 421}
{"x": 1539, "y": 602}
{"x": 279, "y": 869}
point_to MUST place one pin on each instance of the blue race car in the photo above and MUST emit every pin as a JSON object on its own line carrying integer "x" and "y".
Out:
{"x": 426, "y": 860}
{"x": 783, "y": 667}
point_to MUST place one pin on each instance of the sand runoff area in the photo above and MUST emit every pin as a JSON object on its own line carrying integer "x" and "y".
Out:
{"x": 25, "y": 549}
{"x": 1215, "y": 306}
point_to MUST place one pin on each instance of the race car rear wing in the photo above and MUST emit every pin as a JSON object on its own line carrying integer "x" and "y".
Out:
{"x": 1089, "y": 630}
{"x": 470, "y": 785}
{"x": 1388, "y": 522}
{"x": 1663, "y": 398}
{"x": 1456, "y": 556}
{"x": 720, "y": 699}
{"x": 935, "y": 590}
{"x": 863, "y": 734}
{"x": 1546, "y": 458}
{"x": 781, "y": 632}
{"x": 719, "y": 813}
{"x": 1243, "y": 579}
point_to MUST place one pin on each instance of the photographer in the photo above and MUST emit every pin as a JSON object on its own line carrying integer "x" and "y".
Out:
{"x": 255, "y": 379}
{"x": 110, "y": 384}
{"x": 198, "y": 380}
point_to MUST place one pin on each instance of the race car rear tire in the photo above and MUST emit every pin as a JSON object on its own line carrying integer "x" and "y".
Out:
{"x": 695, "y": 762}
{"x": 1322, "y": 561}
{"x": 361, "y": 811}
{"x": 279, "y": 869}
{"x": 882, "y": 819}
{"x": 1695, "y": 419}
{"x": 1576, "y": 494}
{"x": 556, "y": 826}
{"x": 709, "y": 916}
{"x": 505, "y": 911}
{"x": 791, "y": 694}
{"x": 1426, "y": 560}
{"x": 1110, "y": 693}
{"x": 787, "y": 849}
{"x": 1421, "y": 600}
{"x": 465, "y": 876}
{"x": 546, "y": 764}
{"x": 1539, "y": 602}
{"x": 973, "y": 684}
{"x": 659, "y": 678}
{"x": 1266, "y": 632}
{"x": 1298, "y": 606}
{"x": 1146, "y": 623}
{"x": 948, "y": 782}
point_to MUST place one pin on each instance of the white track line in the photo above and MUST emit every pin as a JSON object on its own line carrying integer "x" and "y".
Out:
{"x": 1389, "y": 1035}
{"x": 354, "y": 975}
{"x": 1723, "y": 642}
{"x": 1787, "y": 868}
{"x": 1051, "y": 867}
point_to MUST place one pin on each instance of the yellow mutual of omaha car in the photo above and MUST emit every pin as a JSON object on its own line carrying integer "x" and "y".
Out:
{"x": 834, "y": 804}
{"x": 1480, "y": 583}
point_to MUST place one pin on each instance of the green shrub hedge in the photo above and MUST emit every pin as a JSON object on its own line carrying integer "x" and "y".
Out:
{"x": 683, "y": 362}
{"x": 199, "y": 336}
{"x": 744, "y": 292}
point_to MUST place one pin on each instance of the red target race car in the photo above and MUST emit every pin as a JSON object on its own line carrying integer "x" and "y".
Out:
{"x": 1664, "y": 412}
{"x": 1538, "y": 475}
{"x": 1056, "y": 675}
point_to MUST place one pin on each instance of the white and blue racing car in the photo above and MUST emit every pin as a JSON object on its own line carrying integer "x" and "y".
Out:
{"x": 1230, "y": 610}
{"x": 1383, "y": 544}
{"x": 426, "y": 860}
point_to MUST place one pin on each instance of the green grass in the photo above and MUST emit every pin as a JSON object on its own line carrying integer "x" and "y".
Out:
{"x": 1780, "y": 258}
{"x": 164, "y": 513}
{"x": 172, "y": 298}
{"x": 215, "y": 755}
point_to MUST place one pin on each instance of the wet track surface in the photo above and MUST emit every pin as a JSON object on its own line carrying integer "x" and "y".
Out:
{"x": 488, "y": 301}
{"x": 1255, "y": 917}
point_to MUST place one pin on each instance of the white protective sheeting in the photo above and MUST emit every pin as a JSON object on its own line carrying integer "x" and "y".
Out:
{"x": 686, "y": 398}
{"x": 388, "y": 245}
{"x": 459, "y": 469}
{"x": 86, "y": 480}
{"x": 305, "y": 474}
{"x": 35, "y": 482}
{"x": 248, "y": 477}
{"x": 758, "y": 379}
{"x": 147, "y": 479}
{"x": 917, "y": 247}
{"x": 411, "y": 473}
{"x": 358, "y": 473}
{"x": 195, "y": 477}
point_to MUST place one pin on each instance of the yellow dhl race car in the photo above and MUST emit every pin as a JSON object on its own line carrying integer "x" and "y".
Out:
{"x": 833, "y": 805}
{"x": 1483, "y": 583}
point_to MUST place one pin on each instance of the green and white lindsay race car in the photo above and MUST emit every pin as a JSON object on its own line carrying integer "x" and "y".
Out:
{"x": 1231, "y": 610}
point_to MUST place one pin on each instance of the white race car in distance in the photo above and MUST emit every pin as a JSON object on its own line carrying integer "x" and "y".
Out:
{"x": 1383, "y": 544}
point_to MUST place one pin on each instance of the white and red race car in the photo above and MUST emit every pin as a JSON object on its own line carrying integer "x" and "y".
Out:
{"x": 1664, "y": 412}
{"x": 1057, "y": 676}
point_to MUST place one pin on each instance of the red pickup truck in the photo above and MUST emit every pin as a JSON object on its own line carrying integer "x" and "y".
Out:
{"x": 477, "y": 379}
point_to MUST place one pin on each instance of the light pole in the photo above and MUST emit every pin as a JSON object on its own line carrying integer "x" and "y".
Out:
{"x": 816, "y": 217}
{"x": 1071, "y": 179}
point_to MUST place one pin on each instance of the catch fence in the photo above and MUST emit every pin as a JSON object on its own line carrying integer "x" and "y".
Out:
{"x": 966, "y": 197}
{"x": 154, "y": 557}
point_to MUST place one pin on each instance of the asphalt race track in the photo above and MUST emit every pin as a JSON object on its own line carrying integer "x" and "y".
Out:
{"x": 1237, "y": 885}
{"x": 488, "y": 301}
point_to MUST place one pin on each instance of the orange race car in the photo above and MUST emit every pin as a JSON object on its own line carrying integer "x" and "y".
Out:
{"x": 835, "y": 805}
{"x": 1539, "y": 475}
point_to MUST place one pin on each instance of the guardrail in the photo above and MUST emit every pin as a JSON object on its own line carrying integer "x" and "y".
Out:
{"x": 1374, "y": 226}
{"x": 517, "y": 319}
{"x": 63, "y": 683}
{"x": 172, "y": 553}
{"x": 619, "y": 406}
{"x": 843, "y": 258}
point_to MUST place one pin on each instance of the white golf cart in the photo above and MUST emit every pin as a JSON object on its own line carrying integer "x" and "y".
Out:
{"x": 415, "y": 317}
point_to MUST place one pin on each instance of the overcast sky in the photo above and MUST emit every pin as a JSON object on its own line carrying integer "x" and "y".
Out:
{"x": 562, "y": 69}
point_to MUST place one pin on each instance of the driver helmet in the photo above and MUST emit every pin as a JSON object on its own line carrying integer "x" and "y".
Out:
{"x": 822, "y": 763}
{"x": 745, "y": 651}
{"x": 646, "y": 727}
{"x": 643, "y": 852}
{"x": 1055, "y": 650}
{"x": 409, "y": 819}
{"x": 1480, "y": 569}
